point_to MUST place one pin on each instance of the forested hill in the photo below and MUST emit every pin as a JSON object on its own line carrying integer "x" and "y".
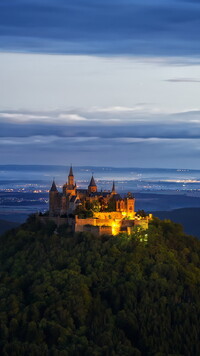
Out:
{"x": 84, "y": 296}
{"x": 6, "y": 225}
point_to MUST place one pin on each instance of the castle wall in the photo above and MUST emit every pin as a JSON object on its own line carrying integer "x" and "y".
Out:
{"x": 128, "y": 223}
{"x": 108, "y": 215}
{"x": 87, "y": 228}
{"x": 105, "y": 230}
{"x": 96, "y": 221}
{"x": 95, "y": 230}
{"x": 96, "y": 226}
{"x": 144, "y": 223}
{"x": 112, "y": 226}
{"x": 56, "y": 219}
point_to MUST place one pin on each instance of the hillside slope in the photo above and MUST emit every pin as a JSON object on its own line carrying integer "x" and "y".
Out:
{"x": 188, "y": 217}
{"x": 81, "y": 295}
{"x": 7, "y": 225}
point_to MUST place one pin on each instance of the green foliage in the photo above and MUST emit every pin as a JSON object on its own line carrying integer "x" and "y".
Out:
{"x": 111, "y": 205}
{"x": 141, "y": 213}
{"x": 71, "y": 295}
{"x": 7, "y": 225}
{"x": 83, "y": 213}
{"x": 94, "y": 205}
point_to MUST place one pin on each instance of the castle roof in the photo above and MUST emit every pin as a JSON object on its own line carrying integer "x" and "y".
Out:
{"x": 83, "y": 191}
{"x": 92, "y": 182}
{"x": 113, "y": 187}
{"x": 71, "y": 172}
{"x": 99, "y": 194}
{"x": 117, "y": 197}
{"x": 73, "y": 199}
{"x": 53, "y": 187}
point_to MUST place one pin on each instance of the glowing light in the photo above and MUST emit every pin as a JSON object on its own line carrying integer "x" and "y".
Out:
{"x": 115, "y": 228}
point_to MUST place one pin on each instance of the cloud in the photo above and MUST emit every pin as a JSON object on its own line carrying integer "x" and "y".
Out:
{"x": 166, "y": 139}
{"x": 21, "y": 117}
{"x": 102, "y": 152}
{"x": 109, "y": 27}
{"x": 71, "y": 117}
{"x": 140, "y": 122}
{"x": 16, "y": 141}
{"x": 183, "y": 80}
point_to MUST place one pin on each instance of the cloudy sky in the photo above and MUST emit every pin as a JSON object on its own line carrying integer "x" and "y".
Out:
{"x": 100, "y": 82}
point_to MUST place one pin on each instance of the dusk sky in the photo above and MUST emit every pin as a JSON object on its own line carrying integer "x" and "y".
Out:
{"x": 110, "y": 82}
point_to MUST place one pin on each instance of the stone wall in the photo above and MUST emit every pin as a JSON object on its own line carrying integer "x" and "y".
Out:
{"x": 56, "y": 219}
{"x": 144, "y": 223}
{"x": 95, "y": 230}
{"x": 110, "y": 223}
{"x": 108, "y": 215}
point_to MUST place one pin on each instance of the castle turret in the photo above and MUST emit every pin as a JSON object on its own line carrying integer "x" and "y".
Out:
{"x": 92, "y": 187}
{"x": 130, "y": 204}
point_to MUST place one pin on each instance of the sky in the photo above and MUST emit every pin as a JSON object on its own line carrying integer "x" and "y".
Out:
{"x": 110, "y": 82}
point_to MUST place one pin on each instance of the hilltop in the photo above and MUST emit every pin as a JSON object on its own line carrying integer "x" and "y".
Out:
{"x": 74, "y": 294}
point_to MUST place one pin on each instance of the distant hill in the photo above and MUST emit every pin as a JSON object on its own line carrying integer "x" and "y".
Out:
{"x": 188, "y": 217}
{"x": 7, "y": 225}
{"x": 71, "y": 294}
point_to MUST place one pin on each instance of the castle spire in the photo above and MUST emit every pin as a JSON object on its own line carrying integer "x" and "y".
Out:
{"x": 113, "y": 188}
{"x": 92, "y": 187}
{"x": 71, "y": 177}
{"x": 92, "y": 182}
{"x": 53, "y": 187}
{"x": 71, "y": 171}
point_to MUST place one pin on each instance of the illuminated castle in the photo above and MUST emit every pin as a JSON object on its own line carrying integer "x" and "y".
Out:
{"x": 104, "y": 212}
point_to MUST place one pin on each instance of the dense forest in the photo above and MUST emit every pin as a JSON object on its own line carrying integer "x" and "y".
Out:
{"x": 73, "y": 294}
{"x": 6, "y": 225}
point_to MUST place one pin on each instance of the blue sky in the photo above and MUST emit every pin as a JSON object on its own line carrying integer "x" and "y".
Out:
{"x": 100, "y": 82}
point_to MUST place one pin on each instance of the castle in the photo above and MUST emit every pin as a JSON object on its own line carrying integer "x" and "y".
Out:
{"x": 104, "y": 212}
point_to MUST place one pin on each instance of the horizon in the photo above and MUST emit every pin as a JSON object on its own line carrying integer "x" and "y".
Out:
{"x": 96, "y": 166}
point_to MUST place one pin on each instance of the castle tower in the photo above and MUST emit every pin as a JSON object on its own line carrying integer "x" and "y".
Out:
{"x": 54, "y": 199}
{"x": 69, "y": 188}
{"x": 53, "y": 187}
{"x": 71, "y": 177}
{"x": 92, "y": 187}
{"x": 130, "y": 204}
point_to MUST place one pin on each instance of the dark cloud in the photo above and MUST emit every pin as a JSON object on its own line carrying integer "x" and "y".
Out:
{"x": 136, "y": 139}
{"x": 111, "y": 123}
{"x": 183, "y": 80}
{"x": 109, "y": 27}
{"x": 100, "y": 151}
